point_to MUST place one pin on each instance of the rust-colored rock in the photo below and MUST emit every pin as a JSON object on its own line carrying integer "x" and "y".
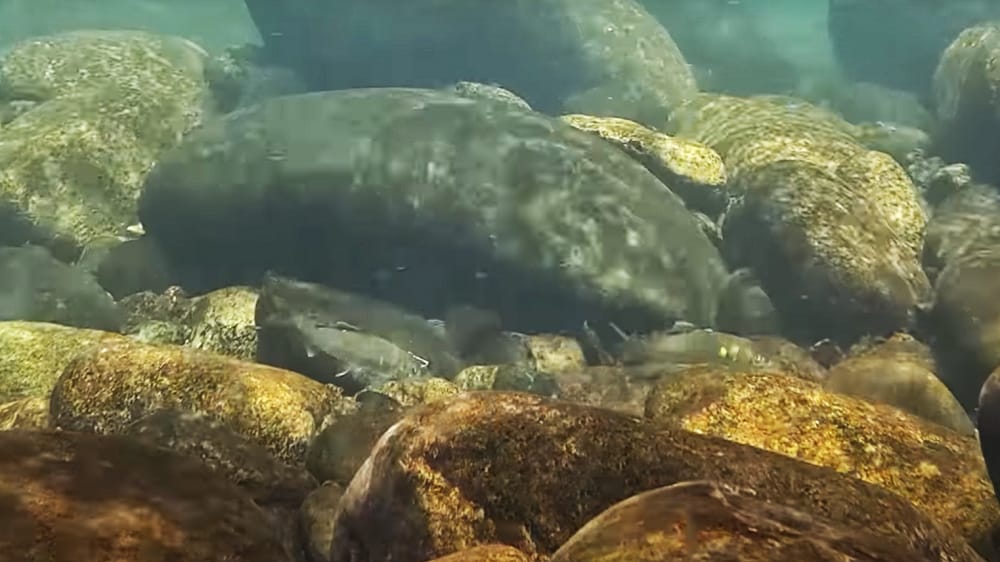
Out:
{"x": 711, "y": 521}
{"x": 108, "y": 389}
{"x": 487, "y": 553}
{"x": 940, "y": 471}
{"x": 526, "y": 471}
{"x": 73, "y": 496}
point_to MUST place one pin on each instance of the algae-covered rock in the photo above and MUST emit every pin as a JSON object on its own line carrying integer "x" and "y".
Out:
{"x": 711, "y": 521}
{"x": 316, "y": 520}
{"x": 25, "y": 413}
{"x": 245, "y": 463}
{"x": 223, "y": 322}
{"x": 900, "y": 372}
{"x": 486, "y": 553}
{"x": 965, "y": 93}
{"x": 110, "y": 103}
{"x": 968, "y": 218}
{"x": 105, "y": 391}
{"x": 34, "y": 354}
{"x": 833, "y": 230}
{"x": 427, "y": 199}
{"x": 551, "y": 353}
{"x": 527, "y": 471}
{"x": 89, "y": 497}
{"x": 611, "y": 55}
{"x": 940, "y": 471}
{"x": 694, "y": 170}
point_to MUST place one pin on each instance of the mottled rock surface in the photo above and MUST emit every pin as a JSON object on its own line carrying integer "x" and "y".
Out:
{"x": 107, "y": 104}
{"x": 528, "y": 472}
{"x": 940, "y": 471}
{"x": 72, "y": 496}
{"x": 34, "y": 354}
{"x": 25, "y": 413}
{"x": 709, "y": 521}
{"x": 965, "y": 95}
{"x": 107, "y": 390}
{"x": 603, "y": 57}
{"x": 833, "y": 230}
{"x": 426, "y": 199}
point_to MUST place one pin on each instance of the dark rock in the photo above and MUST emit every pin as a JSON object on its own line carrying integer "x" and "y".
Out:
{"x": 316, "y": 518}
{"x": 426, "y": 199}
{"x": 37, "y": 287}
{"x": 338, "y": 451}
{"x": 605, "y": 57}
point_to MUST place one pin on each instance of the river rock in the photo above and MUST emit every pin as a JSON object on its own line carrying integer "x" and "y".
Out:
{"x": 603, "y": 57}
{"x": 34, "y": 354}
{"x": 107, "y": 390}
{"x": 965, "y": 85}
{"x": 937, "y": 469}
{"x": 35, "y": 286}
{"x": 106, "y": 106}
{"x": 434, "y": 199}
{"x": 527, "y": 471}
{"x": 88, "y": 497}
{"x": 901, "y": 372}
{"x": 833, "y": 230}
{"x": 707, "y": 520}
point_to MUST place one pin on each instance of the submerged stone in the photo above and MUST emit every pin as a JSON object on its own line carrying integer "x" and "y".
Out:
{"x": 833, "y": 230}
{"x": 939, "y": 470}
{"x": 712, "y": 521}
{"x": 527, "y": 472}
{"x": 427, "y": 199}
{"x": 111, "y": 388}
{"x": 108, "y": 104}
{"x": 603, "y": 57}
{"x": 87, "y": 497}
{"x": 34, "y": 354}
{"x": 900, "y": 372}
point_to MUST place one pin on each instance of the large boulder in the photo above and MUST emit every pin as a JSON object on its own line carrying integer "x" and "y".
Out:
{"x": 426, "y": 199}
{"x": 102, "y": 106}
{"x": 833, "y": 230}
{"x": 607, "y": 57}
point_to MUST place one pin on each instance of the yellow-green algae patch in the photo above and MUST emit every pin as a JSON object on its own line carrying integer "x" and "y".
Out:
{"x": 109, "y": 388}
{"x": 687, "y": 159}
{"x": 940, "y": 471}
{"x": 34, "y": 354}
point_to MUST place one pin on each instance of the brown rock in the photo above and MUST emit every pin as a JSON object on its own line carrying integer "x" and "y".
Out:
{"x": 73, "y": 496}
{"x": 711, "y": 521}
{"x": 316, "y": 517}
{"x": 940, "y": 471}
{"x": 107, "y": 390}
{"x": 487, "y": 553}
{"x": 526, "y": 471}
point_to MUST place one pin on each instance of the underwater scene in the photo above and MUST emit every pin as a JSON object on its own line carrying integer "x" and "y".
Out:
{"x": 499, "y": 280}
